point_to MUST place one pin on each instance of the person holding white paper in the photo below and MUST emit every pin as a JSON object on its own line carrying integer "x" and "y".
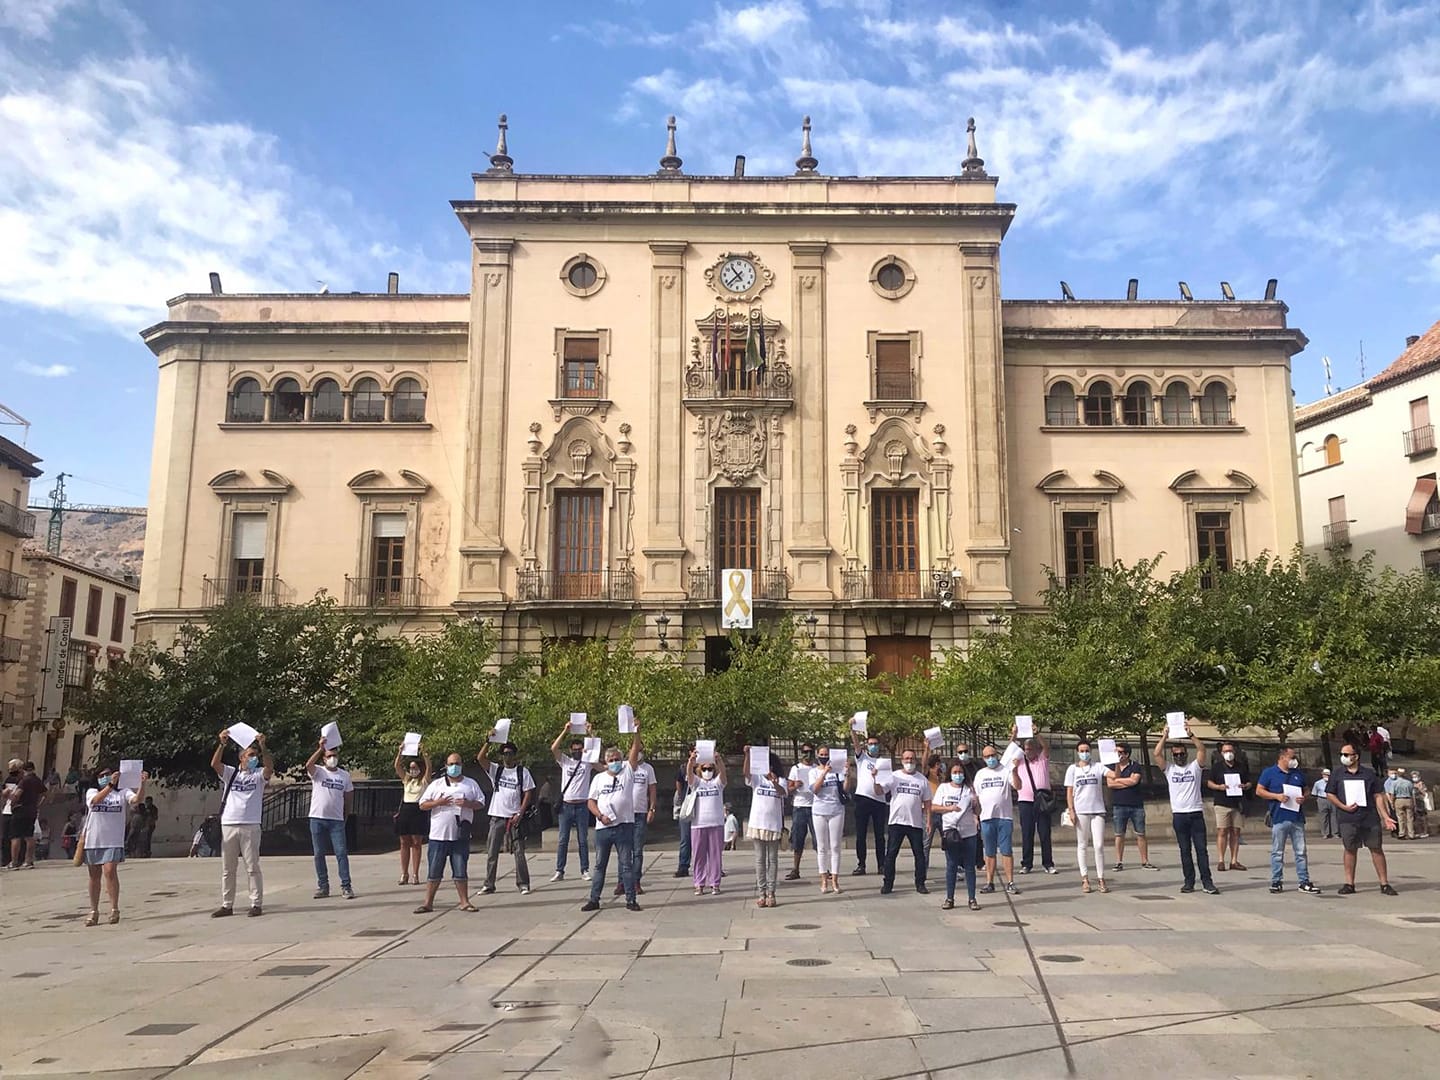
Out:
{"x": 994, "y": 786}
{"x": 707, "y": 823}
{"x": 611, "y": 801}
{"x": 451, "y": 801}
{"x": 575, "y": 776}
{"x": 104, "y": 837}
{"x": 513, "y": 788}
{"x": 871, "y": 811}
{"x": 412, "y": 824}
{"x": 1036, "y": 801}
{"x": 959, "y": 832}
{"x": 827, "y": 784}
{"x": 801, "y": 821}
{"x": 1085, "y": 795}
{"x": 1361, "y": 808}
{"x": 330, "y": 796}
{"x": 767, "y": 822}
{"x": 240, "y": 814}
{"x": 909, "y": 793}
{"x": 1187, "y": 806}
{"x": 1229, "y": 806}
{"x": 647, "y": 787}
{"x": 1283, "y": 786}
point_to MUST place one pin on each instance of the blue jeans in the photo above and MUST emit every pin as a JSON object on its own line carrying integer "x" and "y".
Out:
{"x": 965, "y": 856}
{"x": 684, "y": 858}
{"x": 638, "y": 846}
{"x": 622, "y": 839}
{"x": 573, "y": 816}
{"x": 456, "y": 851}
{"x": 324, "y": 831}
{"x": 1294, "y": 831}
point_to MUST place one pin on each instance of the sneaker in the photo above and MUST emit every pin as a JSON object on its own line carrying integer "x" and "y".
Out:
{"x": 255, "y": 911}
{"x": 949, "y": 904}
{"x": 1148, "y": 866}
{"x": 859, "y": 871}
{"x": 1306, "y": 887}
{"x": 347, "y": 892}
{"x": 321, "y": 894}
{"x": 886, "y": 890}
{"x": 1118, "y": 866}
{"x": 631, "y": 905}
{"x": 681, "y": 873}
{"x": 1210, "y": 888}
{"x": 1276, "y": 886}
{"x": 1051, "y": 870}
{"x": 1011, "y": 889}
{"x": 524, "y": 890}
{"x": 590, "y": 905}
{"x": 1388, "y": 890}
{"x": 1345, "y": 890}
{"x": 584, "y": 875}
{"x": 559, "y": 875}
{"x": 1187, "y": 888}
{"x": 922, "y": 890}
{"x": 1024, "y": 869}
{"x": 221, "y": 913}
{"x": 987, "y": 888}
{"x": 486, "y": 890}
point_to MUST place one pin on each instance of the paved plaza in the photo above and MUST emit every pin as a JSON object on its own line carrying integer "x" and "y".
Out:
{"x": 1143, "y": 981}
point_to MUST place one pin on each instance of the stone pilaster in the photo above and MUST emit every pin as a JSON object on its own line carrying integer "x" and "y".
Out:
{"x": 665, "y": 549}
{"x": 987, "y": 541}
{"x": 809, "y": 546}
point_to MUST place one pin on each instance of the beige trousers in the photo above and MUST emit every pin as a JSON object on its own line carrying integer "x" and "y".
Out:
{"x": 237, "y": 842}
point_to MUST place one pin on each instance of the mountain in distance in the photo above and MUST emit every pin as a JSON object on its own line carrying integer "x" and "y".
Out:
{"x": 114, "y": 543}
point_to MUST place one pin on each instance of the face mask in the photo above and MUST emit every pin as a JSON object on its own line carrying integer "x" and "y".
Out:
{"x": 807, "y": 755}
{"x": 414, "y": 772}
{"x": 575, "y": 753}
{"x": 956, "y": 777}
{"x": 253, "y": 764}
{"x": 992, "y": 761}
{"x": 824, "y": 761}
{"x": 331, "y": 761}
{"x": 1294, "y": 764}
{"x": 452, "y": 770}
{"x": 908, "y": 766}
{"x": 102, "y": 782}
{"x": 873, "y": 749}
{"x": 1348, "y": 759}
{"x": 1083, "y": 755}
{"x": 706, "y": 774}
{"x": 614, "y": 767}
{"x": 1229, "y": 755}
{"x": 964, "y": 755}
{"x": 1179, "y": 759}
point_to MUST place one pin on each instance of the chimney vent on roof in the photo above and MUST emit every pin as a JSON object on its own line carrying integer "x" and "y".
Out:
{"x": 215, "y": 283}
{"x": 1132, "y": 289}
{"x": 1411, "y": 339}
{"x": 1270, "y": 287}
{"x": 392, "y": 283}
{"x": 739, "y": 164}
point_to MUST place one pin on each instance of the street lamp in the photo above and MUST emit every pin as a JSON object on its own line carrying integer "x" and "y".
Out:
{"x": 810, "y": 623}
{"x": 662, "y": 631}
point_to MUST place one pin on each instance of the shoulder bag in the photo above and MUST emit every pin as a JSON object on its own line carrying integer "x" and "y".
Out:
{"x": 687, "y": 808}
{"x": 1044, "y": 797}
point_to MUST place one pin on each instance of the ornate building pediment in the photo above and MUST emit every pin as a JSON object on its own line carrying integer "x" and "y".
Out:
{"x": 737, "y": 444}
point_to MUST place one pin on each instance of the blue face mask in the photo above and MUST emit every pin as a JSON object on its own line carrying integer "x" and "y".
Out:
{"x": 252, "y": 763}
{"x": 873, "y": 749}
{"x": 992, "y": 761}
{"x": 1083, "y": 755}
{"x": 103, "y": 782}
{"x": 956, "y": 777}
{"x": 614, "y": 767}
{"x": 452, "y": 770}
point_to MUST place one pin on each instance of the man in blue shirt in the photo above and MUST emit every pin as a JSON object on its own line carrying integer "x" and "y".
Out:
{"x": 1402, "y": 793}
{"x": 1327, "y": 812}
{"x": 1287, "y": 818}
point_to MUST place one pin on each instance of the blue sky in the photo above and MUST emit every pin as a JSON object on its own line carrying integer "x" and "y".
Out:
{"x": 286, "y": 143}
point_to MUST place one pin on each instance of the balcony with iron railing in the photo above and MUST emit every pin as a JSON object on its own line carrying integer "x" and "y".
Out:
{"x": 13, "y": 586}
{"x": 8, "y": 712}
{"x": 11, "y": 649}
{"x": 1430, "y": 521}
{"x": 16, "y": 521}
{"x": 535, "y": 585}
{"x": 388, "y": 592}
{"x": 1336, "y": 534}
{"x": 773, "y": 383}
{"x": 1420, "y": 440}
{"x": 865, "y": 584}
{"x": 252, "y": 590}
{"x": 765, "y": 585}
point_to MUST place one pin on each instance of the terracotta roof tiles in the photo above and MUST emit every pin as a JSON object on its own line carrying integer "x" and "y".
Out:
{"x": 1415, "y": 360}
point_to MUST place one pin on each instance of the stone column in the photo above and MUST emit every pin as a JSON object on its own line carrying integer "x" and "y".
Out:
{"x": 809, "y": 542}
{"x": 987, "y": 541}
{"x": 665, "y": 549}
{"x": 482, "y": 545}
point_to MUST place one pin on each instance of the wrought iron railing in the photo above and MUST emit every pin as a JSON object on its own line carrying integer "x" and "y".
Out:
{"x": 13, "y": 586}
{"x": 1419, "y": 440}
{"x": 1336, "y": 534}
{"x": 383, "y": 591}
{"x": 865, "y": 584}
{"x": 10, "y": 650}
{"x": 264, "y": 591}
{"x": 895, "y": 386}
{"x": 1430, "y": 521}
{"x": 710, "y": 584}
{"x": 568, "y": 585}
{"x": 583, "y": 384}
{"x": 772, "y": 382}
{"x": 15, "y": 521}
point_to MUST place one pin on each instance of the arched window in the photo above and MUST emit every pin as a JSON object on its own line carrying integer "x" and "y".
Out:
{"x": 367, "y": 403}
{"x": 407, "y": 403}
{"x": 1215, "y": 404}
{"x": 247, "y": 403}
{"x": 1175, "y": 408}
{"x": 1060, "y": 408}
{"x": 288, "y": 404}
{"x": 1139, "y": 405}
{"x": 1100, "y": 405}
{"x": 1332, "y": 449}
{"x": 328, "y": 405}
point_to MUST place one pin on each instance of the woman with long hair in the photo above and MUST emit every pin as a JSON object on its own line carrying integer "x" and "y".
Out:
{"x": 959, "y": 831}
{"x": 412, "y": 824}
{"x": 107, "y": 805}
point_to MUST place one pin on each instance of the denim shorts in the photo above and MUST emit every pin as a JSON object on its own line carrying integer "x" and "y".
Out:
{"x": 995, "y": 832}
{"x": 1135, "y": 815}
{"x": 456, "y": 852}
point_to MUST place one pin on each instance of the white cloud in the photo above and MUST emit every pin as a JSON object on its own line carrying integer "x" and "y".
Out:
{"x": 45, "y": 371}
{"x": 761, "y": 23}
{"x": 32, "y": 18}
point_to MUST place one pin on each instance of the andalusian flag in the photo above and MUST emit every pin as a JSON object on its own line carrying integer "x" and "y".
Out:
{"x": 755, "y": 343}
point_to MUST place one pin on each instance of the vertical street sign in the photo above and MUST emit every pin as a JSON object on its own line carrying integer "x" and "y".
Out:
{"x": 57, "y": 656}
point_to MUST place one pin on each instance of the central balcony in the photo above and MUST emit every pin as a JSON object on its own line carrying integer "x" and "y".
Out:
{"x": 566, "y": 586}
{"x": 773, "y": 385}
{"x": 903, "y": 585}
{"x": 708, "y": 584}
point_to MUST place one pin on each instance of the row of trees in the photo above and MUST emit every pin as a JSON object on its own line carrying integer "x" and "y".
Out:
{"x": 1276, "y": 644}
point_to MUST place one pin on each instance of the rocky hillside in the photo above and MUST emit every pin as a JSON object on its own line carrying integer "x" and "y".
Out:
{"x": 110, "y": 542}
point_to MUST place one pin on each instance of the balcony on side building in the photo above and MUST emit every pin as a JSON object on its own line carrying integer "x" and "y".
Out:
{"x": 264, "y": 591}
{"x": 13, "y": 586}
{"x": 901, "y": 585}
{"x": 16, "y": 520}
{"x": 1336, "y": 535}
{"x": 11, "y": 649}
{"x": 1420, "y": 440}
{"x": 534, "y": 585}
{"x": 383, "y": 592}
{"x": 765, "y": 585}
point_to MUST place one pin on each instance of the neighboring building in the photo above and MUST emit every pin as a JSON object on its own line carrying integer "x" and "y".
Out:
{"x": 17, "y": 525}
{"x": 1367, "y": 461}
{"x": 657, "y": 378}
{"x": 101, "y": 610}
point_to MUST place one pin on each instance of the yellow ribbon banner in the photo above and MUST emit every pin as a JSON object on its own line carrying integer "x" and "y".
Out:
{"x": 736, "y": 611}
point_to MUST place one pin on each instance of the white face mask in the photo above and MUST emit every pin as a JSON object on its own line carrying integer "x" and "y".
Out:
{"x": 1229, "y": 755}
{"x": 331, "y": 761}
{"x": 908, "y": 766}
{"x": 1348, "y": 759}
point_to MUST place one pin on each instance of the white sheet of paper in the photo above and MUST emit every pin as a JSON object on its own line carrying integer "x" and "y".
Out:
{"x": 625, "y": 717}
{"x": 331, "y": 734}
{"x": 861, "y": 722}
{"x": 1383, "y": 732}
{"x": 704, "y": 751}
{"x": 759, "y": 760}
{"x": 1024, "y": 727}
{"x": 130, "y": 770}
{"x": 1233, "y": 785}
{"x": 804, "y": 775}
{"x": 933, "y": 739}
{"x": 838, "y": 757}
{"x": 1292, "y": 796}
{"x": 1355, "y": 792}
{"x": 1012, "y": 754}
{"x": 1176, "y": 722}
{"x": 1108, "y": 754}
{"x": 411, "y": 746}
{"x": 578, "y": 720}
{"x": 884, "y": 771}
{"x": 591, "y": 753}
{"x": 502, "y": 730}
{"x": 242, "y": 735}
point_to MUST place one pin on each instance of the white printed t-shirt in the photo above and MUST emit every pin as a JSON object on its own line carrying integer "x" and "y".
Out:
{"x": 827, "y": 800}
{"x": 993, "y": 786}
{"x": 246, "y": 798}
{"x": 767, "y": 806}
{"x": 510, "y": 788}
{"x": 445, "y": 820}
{"x": 909, "y": 792}
{"x": 640, "y": 797}
{"x": 709, "y": 804}
{"x": 1185, "y": 794}
{"x": 804, "y": 794}
{"x": 1089, "y": 784}
{"x": 614, "y": 796}
{"x": 575, "y": 778}
{"x": 105, "y": 821}
{"x": 956, "y": 805}
{"x": 327, "y": 793}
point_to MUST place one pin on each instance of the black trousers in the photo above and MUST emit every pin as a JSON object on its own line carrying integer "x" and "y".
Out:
{"x": 871, "y": 815}
{"x": 1190, "y": 834}
{"x": 1030, "y": 824}
{"x": 896, "y": 836}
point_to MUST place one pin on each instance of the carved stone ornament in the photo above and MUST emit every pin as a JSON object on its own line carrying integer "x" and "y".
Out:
{"x": 764, "y": 278}
{"x": 579, "y": 451}
{"x": 895, "y": 451}
{"x": 737, "y": 444}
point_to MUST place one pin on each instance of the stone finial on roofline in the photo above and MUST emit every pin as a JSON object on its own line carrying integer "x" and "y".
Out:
{"x": 671, "y": 162}
{"x": 500, "y": 160}
{"x": 973, "y": 167}
{"x": 805, "y": 164}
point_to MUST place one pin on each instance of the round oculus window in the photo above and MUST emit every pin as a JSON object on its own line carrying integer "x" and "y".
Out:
{"x": 583, "y": 275}
{"x": 891, "y": 277}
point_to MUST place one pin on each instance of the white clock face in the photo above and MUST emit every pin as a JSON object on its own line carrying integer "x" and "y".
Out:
{"x": 737, "y": 275}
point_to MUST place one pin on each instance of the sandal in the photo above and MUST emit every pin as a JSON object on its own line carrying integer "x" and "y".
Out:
{"x": 1103, "y": 886}
{"x": 1084, "y": 884}
{"x": 114, "y": 916}
{"x": 423, "y": 909}
{"x": 467, "y": 906}
{"x": 93, "y": 919}
{"x": 404, "y": 881}
{"x": 760, "y": 902}
{"x": 1236, "y": 866}
{"x": 770, "y": 901}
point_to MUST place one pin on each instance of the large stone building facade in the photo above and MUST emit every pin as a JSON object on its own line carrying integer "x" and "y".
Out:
{"x": 657, "y": 378}
{"x": 17, "y": 526}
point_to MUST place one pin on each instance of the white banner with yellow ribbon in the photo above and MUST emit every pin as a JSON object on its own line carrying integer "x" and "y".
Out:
{"x": 736, "y": 600}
